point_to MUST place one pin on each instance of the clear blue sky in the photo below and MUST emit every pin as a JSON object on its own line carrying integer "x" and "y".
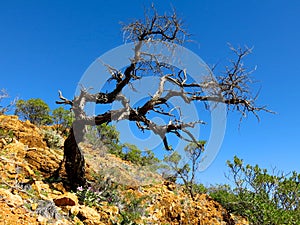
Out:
{"x": 47, "y": 45}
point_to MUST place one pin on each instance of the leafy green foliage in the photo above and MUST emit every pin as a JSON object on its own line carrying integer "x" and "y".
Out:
{"x": 133, "y": 209}
{"x": 107, "y": 137}
{"x": 142, "y": 158}
{"x": 35, "y": 110}
{"x": 186, "y": 171}
{"x": 90, "y": 196}
{"x": 225, "y": 196}
{"x": 262, "y": 197}
{"x": 102, "y": 189}
{"x": 104, "y": 136}
{"x": 62, "y": 118}
{"x": 199, "y": 188}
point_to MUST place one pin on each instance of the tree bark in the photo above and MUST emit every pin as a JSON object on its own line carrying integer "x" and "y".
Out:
{"x": 74, "y": 159}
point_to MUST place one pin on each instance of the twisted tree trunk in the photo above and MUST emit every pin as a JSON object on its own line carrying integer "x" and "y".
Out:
{"x": 74, "y": 159}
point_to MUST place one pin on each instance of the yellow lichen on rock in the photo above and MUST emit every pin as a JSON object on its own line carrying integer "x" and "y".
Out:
{"x": 25, "y": 132}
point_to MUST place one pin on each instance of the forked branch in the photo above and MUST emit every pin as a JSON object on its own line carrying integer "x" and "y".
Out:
{"x": 231, "y": 88}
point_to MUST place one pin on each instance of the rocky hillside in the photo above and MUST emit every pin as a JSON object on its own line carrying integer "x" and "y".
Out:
{"x": 120, "y": 192}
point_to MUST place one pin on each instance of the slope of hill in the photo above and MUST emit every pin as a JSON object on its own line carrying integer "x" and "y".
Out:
{"x": 120, "y": 192}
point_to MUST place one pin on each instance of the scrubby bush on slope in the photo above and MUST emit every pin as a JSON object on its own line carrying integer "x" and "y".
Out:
{"x": 264, "y": 198}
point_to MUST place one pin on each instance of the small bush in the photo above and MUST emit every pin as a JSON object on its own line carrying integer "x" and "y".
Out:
{"x": 225, "y": 196}
{"x": 47, "y": 209}
{"x": 199, "y": 189}
{"x": 102, "y": 189}
{"x": 63, "y": 119}
{"x": 53, "y": 139}
{"x": 132, "y": 209}
{"x": 265, "y": 199}
{"x": 133, "y": 154}
{"x": 105, "y": 138}
{"x": 134, "y": 206}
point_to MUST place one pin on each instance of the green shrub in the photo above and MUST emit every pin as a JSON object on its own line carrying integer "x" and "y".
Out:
{"x": 107, "y": 139}
{"x": 53, "y": 139}
{"x": 265, "y": 199}
{"x": 62, "y": 118}
{"x": 133, "y": 154}
{"x": 133, "y": 208}
{"x": 186, "y": 170}
{"x": 104, "y": 137}
{"x": 102, "y": 189}
{"x": 35, "y": 110}
{"x": 199, "y": 189}
{"x": 225, "y": 196}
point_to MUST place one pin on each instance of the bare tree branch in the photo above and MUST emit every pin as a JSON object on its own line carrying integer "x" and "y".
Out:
{"x": 232, "y": 88}
{"x": 162, "y": 27}
{"x": 3, "y": 95}
{"x": 64, "y": 100}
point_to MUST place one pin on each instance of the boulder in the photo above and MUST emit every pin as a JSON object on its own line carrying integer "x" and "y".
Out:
{"x": 11, "y": 199}
{"x": 68, "y": 199}
{"x": 87, "y": 215}
{"x": 46, "y": 160}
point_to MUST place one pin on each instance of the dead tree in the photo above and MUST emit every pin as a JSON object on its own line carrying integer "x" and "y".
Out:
{"x": 4, "y": 95}
{"x": 230, "y": 88}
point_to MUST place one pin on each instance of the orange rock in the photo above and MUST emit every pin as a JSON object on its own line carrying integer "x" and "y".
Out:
{"x": 46, "y": 161}
{"x": 88, "y": 216}
{"x": 67, "y": 199}
{"x": 24, "y": 132}
{"x": 11, "y": 199}
{"x": 59, "y": 187}
{"x": 16, "y": 216}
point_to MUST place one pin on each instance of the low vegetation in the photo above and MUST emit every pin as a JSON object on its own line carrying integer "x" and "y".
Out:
{"x": 107, "y": 139}
{"x": 264, "y": 198}
{"x": 35, "y": 110}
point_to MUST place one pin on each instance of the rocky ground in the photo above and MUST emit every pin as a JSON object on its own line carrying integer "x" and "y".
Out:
{"x": 30, "y": 195}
